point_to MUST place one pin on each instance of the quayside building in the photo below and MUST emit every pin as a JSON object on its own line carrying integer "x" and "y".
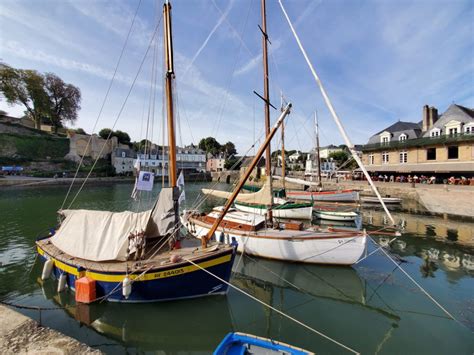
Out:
{"x": 439, "y": 145}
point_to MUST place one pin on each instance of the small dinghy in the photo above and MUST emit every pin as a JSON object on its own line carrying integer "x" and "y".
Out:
{"x": 336, "y": 215}
{"x": 241, "y": 343}
{"x": 387, "y": 200}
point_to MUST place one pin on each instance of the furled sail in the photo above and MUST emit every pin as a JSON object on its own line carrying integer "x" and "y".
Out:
{"x": 261, "y": 197}
{"x": 103, "y": 235}
{"x": 297, "y": 181}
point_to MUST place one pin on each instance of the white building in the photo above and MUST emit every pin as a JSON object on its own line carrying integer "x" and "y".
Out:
{"x": 188, "y": 158}
{"x": 123, "y": 160}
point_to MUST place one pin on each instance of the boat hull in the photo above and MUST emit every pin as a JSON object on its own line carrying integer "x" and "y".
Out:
{"x": 296, "y": 246}
{"x": 386, "y": 200}
{"x": 336, "y": 216}
{"x": 158, "y": 284}
{"x": 331, "y": 196}
{"x": 304, "y": 212}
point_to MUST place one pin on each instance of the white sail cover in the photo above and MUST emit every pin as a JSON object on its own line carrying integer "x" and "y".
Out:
{"x": 297, "y": 181}
{"x": 103, "y": 235}
{"x": 261, "y": 197}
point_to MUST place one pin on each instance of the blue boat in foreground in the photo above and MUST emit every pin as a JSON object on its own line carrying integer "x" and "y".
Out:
{"x": 241, "y": 344}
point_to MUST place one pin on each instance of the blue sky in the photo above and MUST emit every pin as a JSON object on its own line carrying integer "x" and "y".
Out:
{"x": 380, "y": 61}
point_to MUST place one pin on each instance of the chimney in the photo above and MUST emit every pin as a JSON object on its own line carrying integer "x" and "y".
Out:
{"x": 426, "y": 118}
{"x": 433, "y": 116}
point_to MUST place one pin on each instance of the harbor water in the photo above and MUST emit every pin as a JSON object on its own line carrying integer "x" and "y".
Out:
{"x": 372, "y": 307}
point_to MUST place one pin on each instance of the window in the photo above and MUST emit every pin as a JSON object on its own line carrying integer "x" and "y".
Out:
{"x": 453, "y": 152}
{"x": 431, "y": 154}
{"x": 453, "y": 131}
{"x": 371, "y": 159}
{"x": 402, "y": 138}
{"x": 385, "y": 157}
{"x": 403, "y": 157}
{"x": 123, "y": 154}
{"x": 435, "y": 132}
{"x": 469, "y": 128}
{"x": 384, "y": 140}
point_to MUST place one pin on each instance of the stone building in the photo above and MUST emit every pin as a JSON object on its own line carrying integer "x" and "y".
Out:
{"x": 214, "y": 164}
{"x": 441, "y": 145}
{"x": 122, "y": 160}
{"x": 78, "y": 146}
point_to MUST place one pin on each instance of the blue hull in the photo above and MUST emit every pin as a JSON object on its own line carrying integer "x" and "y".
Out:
{"x": 240, "y": 343}
{"x": 161, "y": 284}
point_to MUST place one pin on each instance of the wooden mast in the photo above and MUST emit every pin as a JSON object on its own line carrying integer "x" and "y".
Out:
{"x": 316, "y": 126}
{"x": 230, "y": 201}
{"x": 283, "y": 162}
{"x": 266, "y": 97}
{"x": 168, "y": 46}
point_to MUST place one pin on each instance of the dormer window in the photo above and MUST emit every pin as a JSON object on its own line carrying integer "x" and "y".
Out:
{"x": 469, "y": 128}
{"x": 385, "y": 137}
{"x": 403, "y": 137}
{"x": 435, "y": 132}
{"x": 453, "y": 128}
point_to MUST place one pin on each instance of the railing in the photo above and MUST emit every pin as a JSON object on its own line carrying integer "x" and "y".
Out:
{"x": 419, "y": 142}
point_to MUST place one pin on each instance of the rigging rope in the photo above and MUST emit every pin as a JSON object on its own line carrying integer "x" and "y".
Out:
{"x": 102, "y": 106}
{"x": 274, "y": 309}
{"x": 118, "y": 115}
{"x": 335, "y": 116}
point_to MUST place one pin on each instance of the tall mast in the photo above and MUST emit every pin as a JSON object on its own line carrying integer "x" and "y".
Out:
{"x": 283, "y": 162}
{"x": 266, "y": 97}
{"x": 316, "y": 126}
{"x": 168, "y": 46}
{"x": 243, "y": 179}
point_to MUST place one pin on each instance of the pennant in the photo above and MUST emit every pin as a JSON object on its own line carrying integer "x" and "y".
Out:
{"x": 180, "y": 184}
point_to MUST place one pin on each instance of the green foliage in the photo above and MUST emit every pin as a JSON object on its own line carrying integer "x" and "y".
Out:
{"x": 34, "y": 147}
{"x": 104, "y": 132}
{"x": 230, "y": 162}
{"x": 46, "y": 98}
{"x": 79, "y": 131}
{"x": 339, "y": 157}
{"x": 210, "y": 145}
{"x": 228, "y": 149}
{"x": 122, "y": 137}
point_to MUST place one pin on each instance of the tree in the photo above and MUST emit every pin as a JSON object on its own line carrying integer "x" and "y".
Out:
{"x": 105, "y": 132}
{"x": 122, "y": 137}
{"x": 210, "y": 145}
{"x": 79, "y": 131}
{"x": 339, "y": 157}
{"x": 229, "y": 149}
{"x": 230, "y": 162}
{"x": 27, "y": 88}
{"x": 64, "y": 101}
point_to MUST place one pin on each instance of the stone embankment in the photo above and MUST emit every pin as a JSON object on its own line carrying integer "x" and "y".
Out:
{"x": 24, "y": 181}
{"x": 22, "y": 335}
{"x": 453, "y": 200}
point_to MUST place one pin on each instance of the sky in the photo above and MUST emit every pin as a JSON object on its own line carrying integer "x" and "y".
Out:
{"x": 379, "y": 60}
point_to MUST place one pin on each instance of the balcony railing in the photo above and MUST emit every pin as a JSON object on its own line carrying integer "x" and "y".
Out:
{"x": 419, "y": 142}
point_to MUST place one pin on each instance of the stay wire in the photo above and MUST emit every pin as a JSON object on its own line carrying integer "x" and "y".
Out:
{"x": 118, "y": 116}
{"x": 103, "y": 104}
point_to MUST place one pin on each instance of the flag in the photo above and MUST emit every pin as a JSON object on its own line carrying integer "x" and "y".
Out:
{"x": 145, "y": 181}
{"x": 137, "y": 166}
{"x": 180, "y": 183}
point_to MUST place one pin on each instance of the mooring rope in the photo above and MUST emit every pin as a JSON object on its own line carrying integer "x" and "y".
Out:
{"x": 275, "y": 309}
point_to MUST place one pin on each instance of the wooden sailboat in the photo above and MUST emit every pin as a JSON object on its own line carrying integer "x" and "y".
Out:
{"x": 128, "y": 256}
{"x": 263, "y": 202}
{"x": 286, "y": 241}
{"x": 319, "y": 194}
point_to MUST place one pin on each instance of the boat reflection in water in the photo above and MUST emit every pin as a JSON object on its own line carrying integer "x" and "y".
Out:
{"x": 192, "y": 326}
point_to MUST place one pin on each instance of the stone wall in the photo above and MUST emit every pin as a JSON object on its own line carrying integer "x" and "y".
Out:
{"x": 78, "y": 146}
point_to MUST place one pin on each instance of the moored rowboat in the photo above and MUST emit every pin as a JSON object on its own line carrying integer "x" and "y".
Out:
{"x": 374, "y": 199}
{"x": 336, "y": 215}
{"x": 287, "y": 210}
{"x": 332, "y": 196}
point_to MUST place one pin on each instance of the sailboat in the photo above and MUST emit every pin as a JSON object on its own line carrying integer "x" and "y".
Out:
{"x": 263, "y": 202}
{"x": 319, "y": 194}
{"x": 260, "y": 236}
{"x": 132, "y": 256}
